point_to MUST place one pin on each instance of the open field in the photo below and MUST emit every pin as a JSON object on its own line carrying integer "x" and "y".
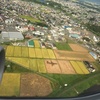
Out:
{"x": 10, "y": 51}
{"x": 66, "y": 67}
{"x": 25, "y": 52}
{"x": 31, "y": 19}
{"x": 51, "y": 54}
{"x": 33, "y": 64}
{"x": 17, "y": 51}
{"x": 34, "y": 85}
{"x": 38, "y": 53}
{"x": 76, "y": 47}
{"x": 37, "y": 44}
{"x": 20, "y": 61}
{"x": 41, "y": 66}
{"x": 52, "y": 66}
{"x": 45, "y": 53}
{"x": 76, "y": 67}
{"x": 63, "y": 46}
{"x": 70, "y": 55}
{"x": 32, "y": 53}
{"x": 10, "y": 85}
{"x": 83, "y": 67}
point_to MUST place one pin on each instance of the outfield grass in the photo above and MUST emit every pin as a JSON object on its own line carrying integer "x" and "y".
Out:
{"x": 31, "y": 19}
{"x": 10, "y": 85}
{"x": 63, "y": 46}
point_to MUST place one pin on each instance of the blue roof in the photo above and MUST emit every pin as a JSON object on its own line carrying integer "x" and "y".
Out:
{"x": 93, "y": 55}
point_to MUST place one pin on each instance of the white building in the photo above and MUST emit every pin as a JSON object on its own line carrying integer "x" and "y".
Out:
{"x": 12, "y": 35}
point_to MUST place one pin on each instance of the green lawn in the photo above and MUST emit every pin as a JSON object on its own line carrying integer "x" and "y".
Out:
{"x": 63, "y": 46}
{"x": 31, "y": 19}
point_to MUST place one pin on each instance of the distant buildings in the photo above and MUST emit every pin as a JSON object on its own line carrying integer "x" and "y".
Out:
{"x": 12, "y": 36}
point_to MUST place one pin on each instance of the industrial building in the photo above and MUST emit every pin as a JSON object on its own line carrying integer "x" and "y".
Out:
{"x": 12, "y": 36}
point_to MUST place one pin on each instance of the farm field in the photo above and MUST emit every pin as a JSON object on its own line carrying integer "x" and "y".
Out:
{"x": 10, "y": 51}
{"x": 20, "y": 61}
{"x": 33, "y": 65}
{"x": 83, "y": 67}
{"x": 10, "y": 85}
{"x": 70, "y": 55}
{"x": 76, "y": 47}
{"x": 76, "y": 67}
{"x": 66, "y": 67}
{"x": 37, "y": 44}
{"x": 52, "y": 66}
{"x": 45, "y": 53}
{"x": 17, "y": 51}
{"x": 41, "y": 66}
{"x": 63, "y": 46}
{"x": 32, "y": 53}
{"x": 34, "y": 85}
{"x": 51, "y": 54}
{"x": 38, "y": 53}
{"x": 25, "y": 52}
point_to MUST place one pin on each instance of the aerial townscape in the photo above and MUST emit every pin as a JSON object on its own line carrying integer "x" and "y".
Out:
{"x": 52, "y": 47}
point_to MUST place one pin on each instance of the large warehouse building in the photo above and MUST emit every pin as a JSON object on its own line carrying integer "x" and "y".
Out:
{"x": 12, "y": 35}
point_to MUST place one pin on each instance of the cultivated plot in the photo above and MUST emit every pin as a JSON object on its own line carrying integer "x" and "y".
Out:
{"x": 76, "y": 47}
{"x": 17, "y": 51}
{"x": 10, "y": 85}
{"x": 70, "y": 55}
{"x": 66, "y": 67}
{"x": 32, "y": 53}
{"x": 37, "y": 44}
{"x": 33, "y": 65}
{"x": 51, "y": 54}
{"x": 25, "y": 52}
{"x": 76, "y": 67}
{"x": 83, "y": 67}
{"x": 20, "y": 61}
{"x": 38, "y": 53}
{"x": 45, "y": 53}
{"x": 52, "y": 66}
{"x": 41, "y": 66}
{"x": 34, "y": 85}
{"x": 10, "y": 51}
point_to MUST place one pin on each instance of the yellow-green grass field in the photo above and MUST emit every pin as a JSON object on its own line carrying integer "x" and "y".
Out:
{"x": 38, "y": 53}
{"x": 31, "y": 19}
{"x": 33, "y": 65}
{"x": 25, "y": 52}
{"x": 17, "y": 51}
{"x": 20, "y": 61}
{"x": 76, "y": 67}
{"x": 10, "y": 85}
{"x": 37, "y": 44}
{"x": 83, "y": 67}
{"x": 10, "y": 51}
{"x": 45, "y": 53}
{"x": 32, "y": 53}
{"x": 41, "y": 66}
{"x": 51, "y": 54}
